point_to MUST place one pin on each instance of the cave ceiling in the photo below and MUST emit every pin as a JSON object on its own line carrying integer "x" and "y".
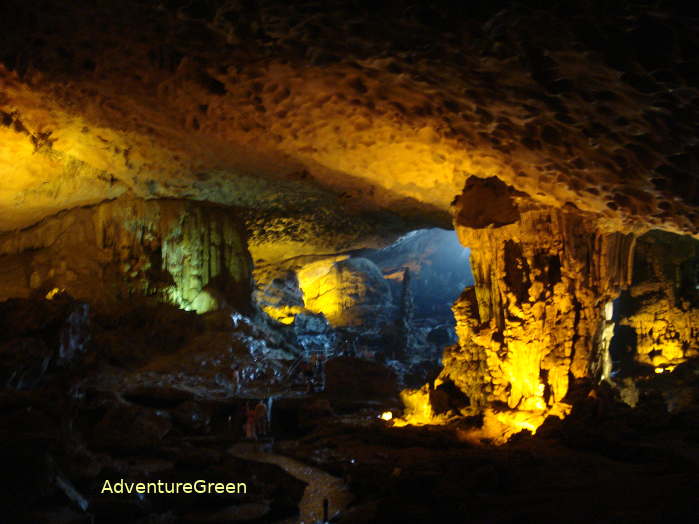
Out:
{"x": 335, "y": 125}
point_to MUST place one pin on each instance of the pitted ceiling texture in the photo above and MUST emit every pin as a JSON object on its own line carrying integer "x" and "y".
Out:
{"x": 349, "y": 116}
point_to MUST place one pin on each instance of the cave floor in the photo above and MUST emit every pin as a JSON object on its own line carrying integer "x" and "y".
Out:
{"x": 426, "y": 474}
{"x": 601, "y": 464}
{"x": 320, "y": 485}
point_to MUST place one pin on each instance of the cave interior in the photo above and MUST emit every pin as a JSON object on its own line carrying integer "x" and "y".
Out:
{"x": 349, "y": 262}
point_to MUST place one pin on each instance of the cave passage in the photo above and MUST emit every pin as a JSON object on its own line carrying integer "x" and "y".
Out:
{"x": 388, "y": 305}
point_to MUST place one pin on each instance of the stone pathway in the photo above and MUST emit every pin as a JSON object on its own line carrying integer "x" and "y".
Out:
{"x": 320, "y": 486}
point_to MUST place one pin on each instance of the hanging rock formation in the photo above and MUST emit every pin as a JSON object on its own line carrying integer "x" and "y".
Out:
{"x": 188, "y": 253}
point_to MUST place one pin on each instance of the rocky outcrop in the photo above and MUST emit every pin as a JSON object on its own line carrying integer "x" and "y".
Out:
{"x": 530, "y": 323}
{"x": 531, "y": 318}
{"x": 187, "y": 253}
{"x": 391, "y": 303}
{"x": 349, "y": 292}
{"x": 41, "y": 337}
{"x": 661, "y": 310}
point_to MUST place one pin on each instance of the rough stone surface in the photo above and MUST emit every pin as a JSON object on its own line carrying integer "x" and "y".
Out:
{"x": 532, "y": 317}
{"x": 662, "y": 306}
{"x": 188, "y": 253}
{"x": 330, "y": 119}
{"x": 350, "y": 292}
{"x": 531, "y": 321}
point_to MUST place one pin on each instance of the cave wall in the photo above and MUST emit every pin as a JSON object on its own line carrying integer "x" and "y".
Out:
{"x": 349, "y": 292}
{"x": 542, "y": 278}
{"x": 662, "y": 305}
{"x": 189, "y": 253}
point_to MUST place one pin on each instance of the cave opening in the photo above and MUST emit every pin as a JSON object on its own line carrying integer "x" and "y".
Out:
{"x": 390, "y": 305}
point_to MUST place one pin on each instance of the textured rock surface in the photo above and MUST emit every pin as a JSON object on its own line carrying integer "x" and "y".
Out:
{"x": 531, "y": 321}
{"x": 662, "y": 306}
{"x": 296, "y": 110}
{"x": 188, "y": 253}
{"x": 350, "y": 292}
{"x": 347, "y": 291}
{"x": 339, "y": 125}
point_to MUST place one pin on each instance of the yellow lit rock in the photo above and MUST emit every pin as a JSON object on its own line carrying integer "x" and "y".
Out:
{"x": 349, "y": 292}
{"x": 665, "y": 369}
{"x": 418, "y": 410}
{"x": 664, "y": 316}
{"x": 55, "y": 291}
{"x": 542, "y": 277}
{"x": 284, "y": 314}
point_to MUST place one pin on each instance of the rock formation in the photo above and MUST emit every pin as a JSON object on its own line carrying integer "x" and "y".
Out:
{"x": 530, "y": 323}
{"x": 168, "y": 169}
{"x": 662, "y": 306}
{"x": 187, "y": 253}
{"x": 347, "y": 291}
{"x": 334, "y": 128}
{"x": 350, "y": 292}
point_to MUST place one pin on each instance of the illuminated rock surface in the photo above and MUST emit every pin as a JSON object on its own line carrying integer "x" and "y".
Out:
{"x": 529, "y": 324}
{"x": 222, "y": 157}
{"x": 334, "y": 108}
{"x": 348, "y": 292}
{"x": 662, "y": 307}
{"x": 187, "y": 253}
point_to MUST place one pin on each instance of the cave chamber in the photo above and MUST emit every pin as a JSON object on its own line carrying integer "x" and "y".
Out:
{"x": 381, "y": 262}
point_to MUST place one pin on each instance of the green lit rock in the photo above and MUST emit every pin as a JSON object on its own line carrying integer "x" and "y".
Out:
{"x": 191, "y": 254}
